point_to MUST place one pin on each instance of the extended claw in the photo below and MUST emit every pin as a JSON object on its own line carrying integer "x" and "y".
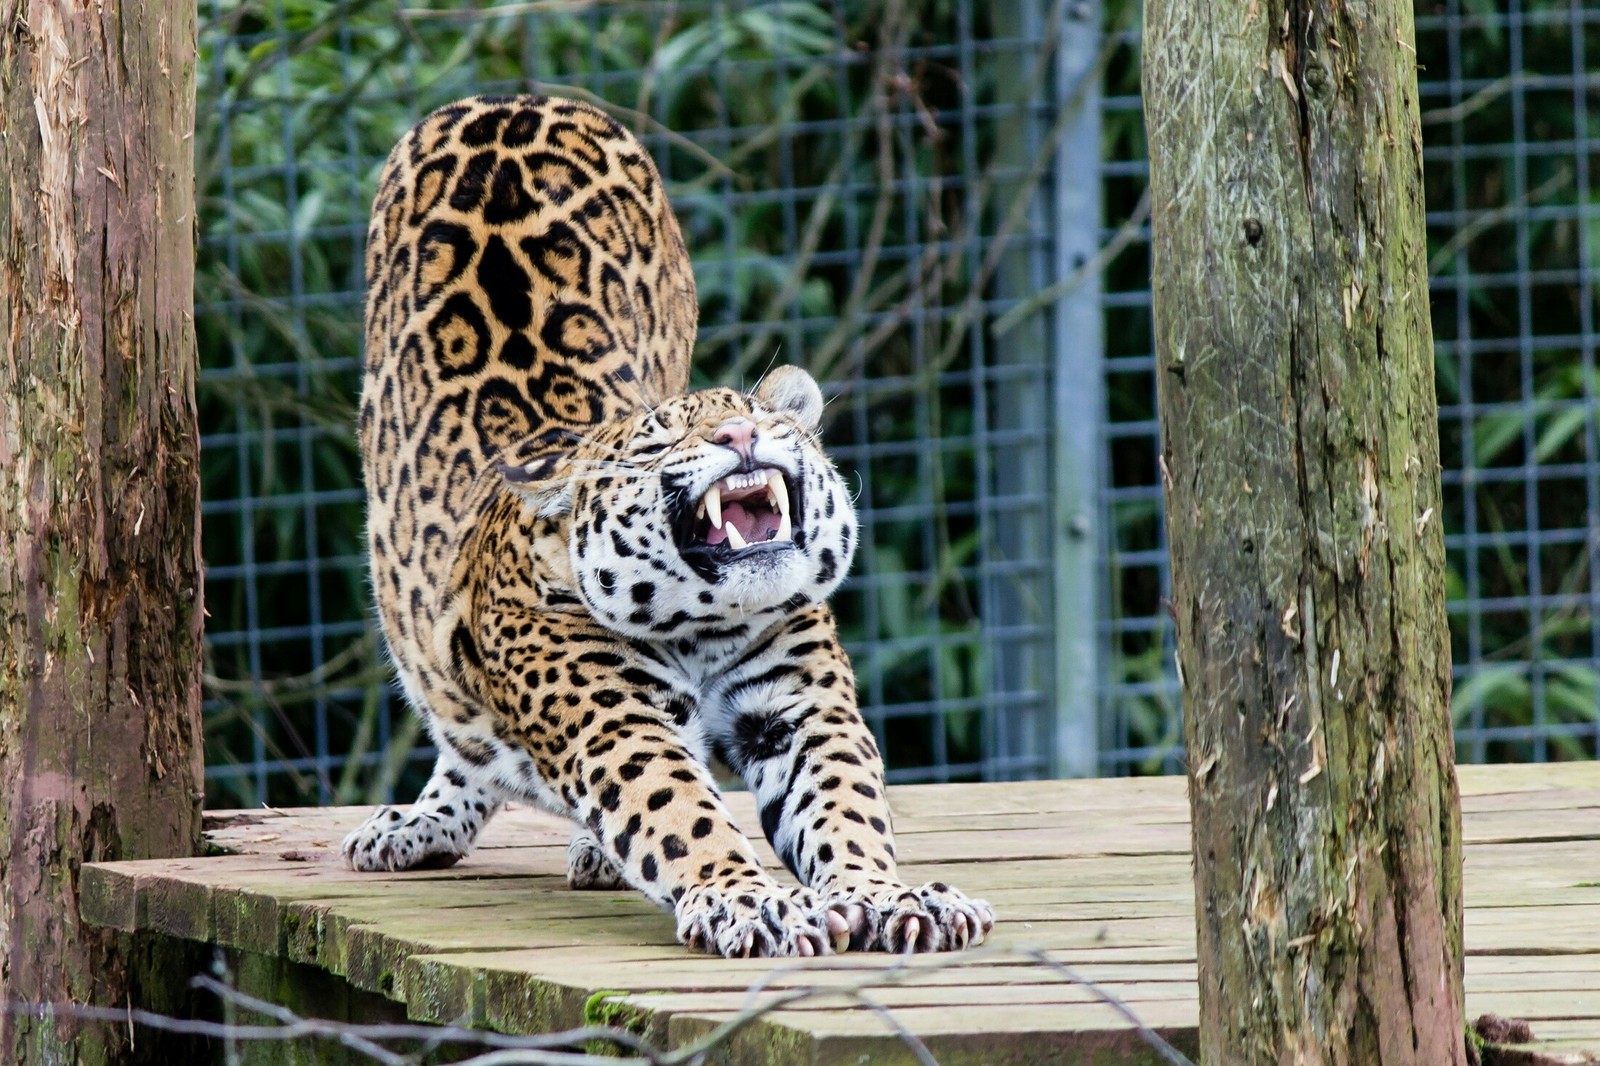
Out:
{"x": 839, "y": 929}
{"x": 913, "y": 933}
{"x": 961, "y": 933}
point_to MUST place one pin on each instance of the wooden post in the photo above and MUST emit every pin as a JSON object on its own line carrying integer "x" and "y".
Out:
{"x": 100, "y": 596}
{"x": 1301, "y": 468}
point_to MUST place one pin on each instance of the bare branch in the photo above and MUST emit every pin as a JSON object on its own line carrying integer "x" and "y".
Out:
{"x": 557, "y": 1049}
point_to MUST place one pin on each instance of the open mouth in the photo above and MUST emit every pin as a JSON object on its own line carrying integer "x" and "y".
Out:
{"x": 743, "y": 512}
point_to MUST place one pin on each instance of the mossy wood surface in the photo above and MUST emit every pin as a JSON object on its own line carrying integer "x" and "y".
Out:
{"x": 1096, "y": 873}
{"x": 100, "y": 586}
{"x": 1300, "y": 465}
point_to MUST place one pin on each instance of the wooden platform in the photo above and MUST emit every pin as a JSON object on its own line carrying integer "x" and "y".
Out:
{"x": 1094, "y": 873}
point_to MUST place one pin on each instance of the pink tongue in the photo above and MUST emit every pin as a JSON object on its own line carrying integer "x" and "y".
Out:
{"x": 754, "y": 528}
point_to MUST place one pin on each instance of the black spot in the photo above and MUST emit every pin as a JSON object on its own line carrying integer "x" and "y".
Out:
{"x": 463, "y": 649}
{"x": 507, "y": 285}
{"x": 474, "y": 179}
{"x": 772, "y": 817}
{"x": 681, "y": 708}
{"x": 630, "y": 771}
{"x": 659, "y": 799}
{"x": 759, "y": 736}
{"x": 475, "y": 752}
{"x": 866, "y": 790}
{"x": 829, "y": 566}
{"x": 601, "y": 658}
{"x": 484, "y": 129}
{"x": 508, "y": 195}
{"x": 647, "y": 867}
{"x": 825, "y": 852}
{"x": 794, "y": 603}
{"x": 611, "y": 797}
{"x": 624, "y": 840}
{"x": 672, "y": 847}
{"x": 522, "y": 129}
{"x": 643, "y": 591}
{"x": 702, "y": 828}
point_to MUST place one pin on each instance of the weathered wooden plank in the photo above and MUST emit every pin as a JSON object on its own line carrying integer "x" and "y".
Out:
{"x": 1528, "y": 777}
{"x": 1532, "y": 930}
{"x": 500, "y": 941}
{"x": 1483, "y": 788}
{"x": 1525, "y": 964}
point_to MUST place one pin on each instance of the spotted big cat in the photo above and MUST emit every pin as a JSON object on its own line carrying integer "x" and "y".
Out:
{"x": 592, "y": 581}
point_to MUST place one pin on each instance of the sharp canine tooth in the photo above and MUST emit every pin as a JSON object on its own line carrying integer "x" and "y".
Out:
{"x": 736, "y": 538}
{"x": 713, "y": 505}
{"x": 785, "y": 530}
{"x": 779, "y": 489}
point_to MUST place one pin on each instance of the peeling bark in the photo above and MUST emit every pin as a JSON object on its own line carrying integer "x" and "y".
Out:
{"x": 1301, "y": 468}
{"x": 100, "y": 595}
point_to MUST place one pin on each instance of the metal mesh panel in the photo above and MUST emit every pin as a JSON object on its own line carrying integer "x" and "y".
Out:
{"x": 1508, "y": 146}
{"x": 865, "y": 188}
{"x": 906, "y": 197}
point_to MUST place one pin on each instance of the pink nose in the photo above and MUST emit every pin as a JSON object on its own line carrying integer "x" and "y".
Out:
{"x": 736, "y": 433}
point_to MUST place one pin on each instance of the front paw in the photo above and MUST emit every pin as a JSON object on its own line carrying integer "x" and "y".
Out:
{"x": 901, "y": 919}
{"x": 758, "y": 921}
{"x": 588, "y": 867}
{"x": 391, "y": 840}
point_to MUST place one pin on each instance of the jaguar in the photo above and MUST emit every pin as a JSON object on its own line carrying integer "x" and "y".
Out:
{"x": 595, "y": 584}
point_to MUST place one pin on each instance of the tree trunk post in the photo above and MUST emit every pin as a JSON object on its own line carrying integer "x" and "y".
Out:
{"x": 100, "y": 593}
{"x": 1301, "y": 469}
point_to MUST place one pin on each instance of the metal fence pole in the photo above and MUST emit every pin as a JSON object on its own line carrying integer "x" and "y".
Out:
{"x": 1078, "y": 400}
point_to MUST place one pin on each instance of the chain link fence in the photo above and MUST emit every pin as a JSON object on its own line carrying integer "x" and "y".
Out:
{"x": 1509, "y": 125}
{"x": 938, "y": 207}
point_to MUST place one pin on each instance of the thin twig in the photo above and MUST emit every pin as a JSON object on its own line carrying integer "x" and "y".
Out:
{"x": 530, "y": 7}
{"x": 1156, "y": 1041}
{"x": 1476, "y": 228}
{"x": 1126, "y": 234}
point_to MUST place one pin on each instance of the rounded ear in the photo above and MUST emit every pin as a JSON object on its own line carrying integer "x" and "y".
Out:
{"x": 543, "y": 484}
{"x": 791, "y": 390}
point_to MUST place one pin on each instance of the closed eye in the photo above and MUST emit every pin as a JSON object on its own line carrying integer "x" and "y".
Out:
{"x": 650, "y": 451}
